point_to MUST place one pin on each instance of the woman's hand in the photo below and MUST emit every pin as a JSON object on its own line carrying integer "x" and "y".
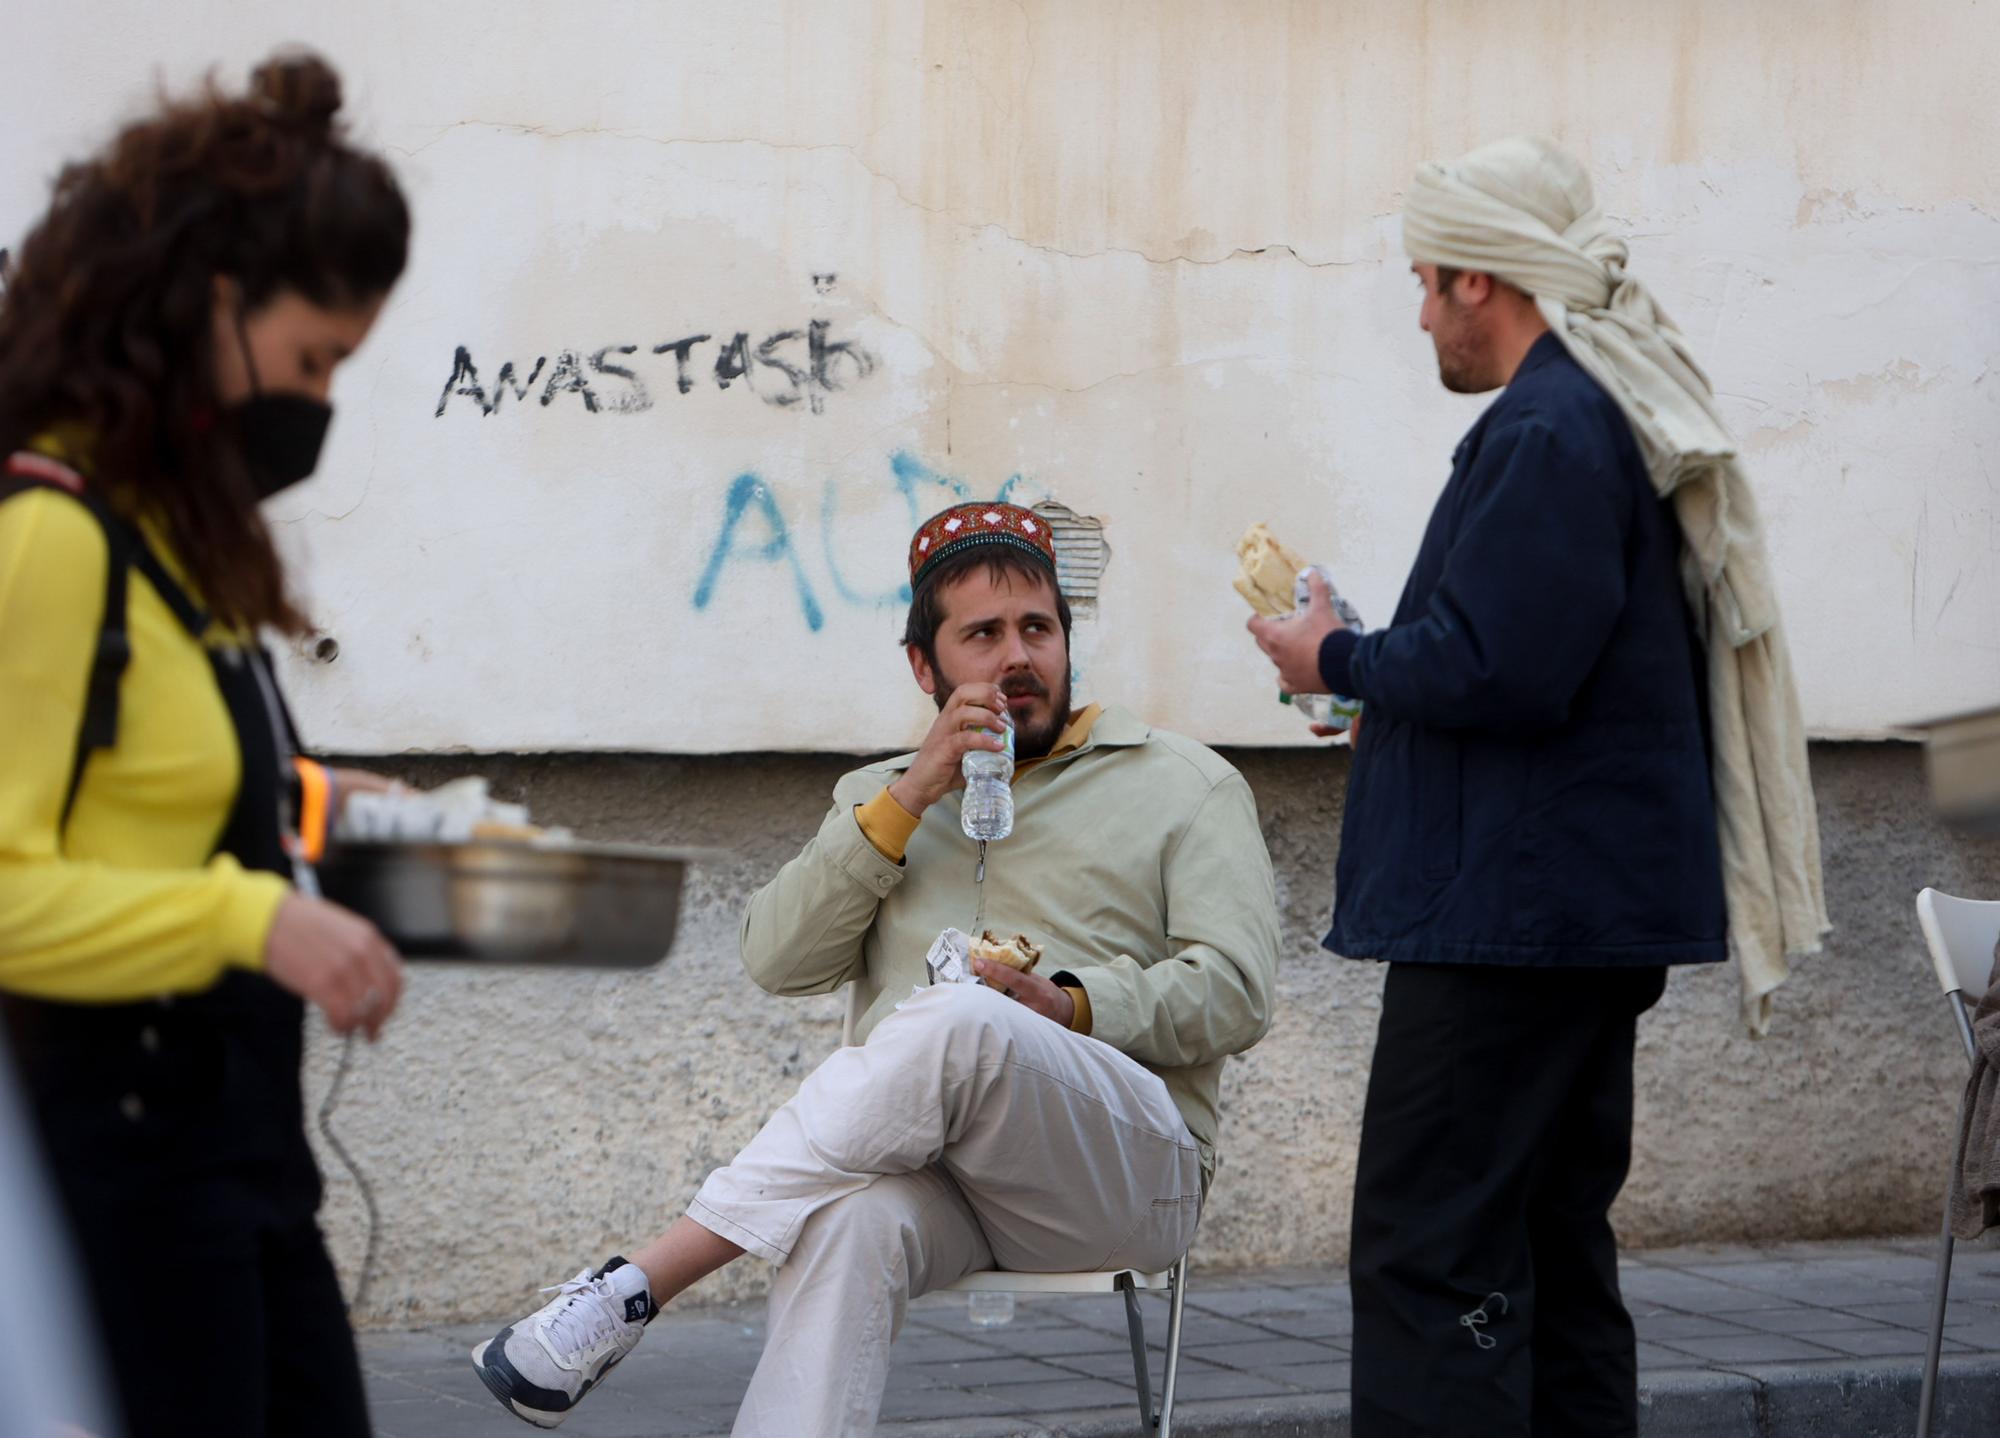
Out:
{"x": 360, "y": 781}
{"x": 335, "y": 960}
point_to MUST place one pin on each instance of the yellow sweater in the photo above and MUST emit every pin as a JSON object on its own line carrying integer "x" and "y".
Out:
{"x": 126, "y": 903}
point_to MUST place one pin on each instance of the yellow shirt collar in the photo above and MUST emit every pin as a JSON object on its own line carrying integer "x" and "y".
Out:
{"x": 1075, "y": 734}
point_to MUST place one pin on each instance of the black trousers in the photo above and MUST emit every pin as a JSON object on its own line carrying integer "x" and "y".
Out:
{"x": 250, "y": 1344}
{"x": 1497, "y": 1132}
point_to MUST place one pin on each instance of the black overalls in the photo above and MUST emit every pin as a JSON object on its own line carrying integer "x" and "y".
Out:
{"x": 174, "y": 1129}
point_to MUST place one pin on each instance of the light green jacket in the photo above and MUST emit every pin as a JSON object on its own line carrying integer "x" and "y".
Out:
{"x": 1135, "y": 861}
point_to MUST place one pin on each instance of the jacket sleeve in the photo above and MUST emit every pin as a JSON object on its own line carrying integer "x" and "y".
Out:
{"x": 1531, "y": 589}
{"x": 1211, "y": 995}
{"x": 803, "y": 931}
{"x": 73, "y": 929}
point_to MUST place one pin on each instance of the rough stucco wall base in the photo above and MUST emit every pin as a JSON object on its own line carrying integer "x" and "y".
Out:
{"x": 516, "y": 1125}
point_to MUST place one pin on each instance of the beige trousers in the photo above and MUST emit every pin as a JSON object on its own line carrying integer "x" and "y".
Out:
{"x": 968, "y": 1132}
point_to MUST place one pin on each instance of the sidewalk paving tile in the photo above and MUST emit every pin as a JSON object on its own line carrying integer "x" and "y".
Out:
{"x": 1689, "y": 1293}
{"x": 988, "y": 1373}
{"x": 1804, "y": 1321}
{"x": 1884, "y": 1343}
{"x": 1750, "y": 1348}
{"x": 1907, "y": 1314}
{"x": 1826, "y": 1333}
{"x": 1668, "y": 1326}
{"x": 1118, "y": 1366}
{"x": 1982, "y": 1333}
{"x": 1326, "y": 1326}
{"x": 1271, "y": 1352}
{"x": 1215, "y": 1383}
{"x": 1074, "y": 1392}
{"x": 1316, "y": 1377}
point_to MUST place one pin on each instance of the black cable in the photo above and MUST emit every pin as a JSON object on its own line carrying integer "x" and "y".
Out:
{"x": 354, "y": 1171}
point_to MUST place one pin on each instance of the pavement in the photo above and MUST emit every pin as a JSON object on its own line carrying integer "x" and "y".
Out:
{"x": 1820, "y": 1339}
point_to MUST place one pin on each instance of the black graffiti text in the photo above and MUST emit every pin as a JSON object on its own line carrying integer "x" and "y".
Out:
{"x": 783, "y": 369}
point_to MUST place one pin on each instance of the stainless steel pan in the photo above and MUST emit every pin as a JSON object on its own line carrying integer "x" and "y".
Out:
{"x": 1963, "y": 757}
{"x": 564, "y": 905}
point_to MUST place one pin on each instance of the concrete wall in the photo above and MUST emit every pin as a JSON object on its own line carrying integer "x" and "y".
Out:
{"x": 516, "y": 1125}
{"x": 1143, "y": 257}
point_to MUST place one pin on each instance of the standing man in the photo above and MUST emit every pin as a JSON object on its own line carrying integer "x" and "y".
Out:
{"x": 1532, "y": 834}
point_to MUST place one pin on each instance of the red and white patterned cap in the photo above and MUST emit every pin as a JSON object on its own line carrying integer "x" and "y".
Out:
{"x": 966, "y": 526}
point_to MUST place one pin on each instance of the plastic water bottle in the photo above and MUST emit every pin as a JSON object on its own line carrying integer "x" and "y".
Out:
{"x": 1333, "y": 711}
{"x": 988, "y": 810}
{"x": 988, "y": 1310}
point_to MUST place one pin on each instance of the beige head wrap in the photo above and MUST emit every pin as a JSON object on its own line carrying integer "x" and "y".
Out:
{"x": 1522, "y": 210}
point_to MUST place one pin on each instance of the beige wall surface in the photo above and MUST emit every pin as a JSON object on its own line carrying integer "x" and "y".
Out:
{"x": 1142, "y": 258}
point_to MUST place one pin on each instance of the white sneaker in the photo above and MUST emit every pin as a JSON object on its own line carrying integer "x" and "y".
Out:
{"x": 542, "y": 1365}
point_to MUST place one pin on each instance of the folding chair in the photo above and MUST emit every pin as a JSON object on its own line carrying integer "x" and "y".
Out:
{"x": 1128, "y": 1281}
{"x": 1961, "y": 934}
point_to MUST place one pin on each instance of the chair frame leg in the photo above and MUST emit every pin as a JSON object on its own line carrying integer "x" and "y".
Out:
{"x": 1135, "y": 1324}
{"x": 1927, "y": 1399}
{"x": 1162, "y": 1417}
{"x": 1177, "y": 1296}
{"x": 1934, "y": 1346}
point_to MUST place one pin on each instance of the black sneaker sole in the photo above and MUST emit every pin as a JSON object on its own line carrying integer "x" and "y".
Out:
{"x": 496, "y": 1384}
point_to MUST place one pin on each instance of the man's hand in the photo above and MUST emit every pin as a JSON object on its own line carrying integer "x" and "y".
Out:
{"x": 1293, "y": 643}
{"x": 960, "y": 728}
{"x": 1050, "y": 1000}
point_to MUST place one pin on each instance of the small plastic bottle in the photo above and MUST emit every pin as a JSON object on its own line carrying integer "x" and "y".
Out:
{"x": 988, "y": 810}
{"x": 1334, "y": 711}
{"x": 988, "y": 1310}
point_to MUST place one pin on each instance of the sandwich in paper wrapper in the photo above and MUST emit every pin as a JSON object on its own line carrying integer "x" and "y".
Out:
{"x": 950, "y": 958}
{"x": 1273, "y": 578}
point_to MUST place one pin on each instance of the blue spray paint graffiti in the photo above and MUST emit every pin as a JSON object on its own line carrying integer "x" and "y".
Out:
{"x": 745, "y": 490}
{"x": 924, "y": 490}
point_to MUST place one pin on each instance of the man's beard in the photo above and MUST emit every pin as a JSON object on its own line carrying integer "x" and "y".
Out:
{"x": 1459, "y": 363}
{"x": 1029, "y": 743}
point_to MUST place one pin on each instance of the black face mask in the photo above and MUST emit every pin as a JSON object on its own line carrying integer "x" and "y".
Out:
{"x": 279, "y": 435}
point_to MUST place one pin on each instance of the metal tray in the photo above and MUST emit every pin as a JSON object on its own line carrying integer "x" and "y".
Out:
{"x": 561, "y": 905}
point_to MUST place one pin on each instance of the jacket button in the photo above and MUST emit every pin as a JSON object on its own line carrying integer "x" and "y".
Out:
{"x": 149, "y": 1039}
{"x": 132, "y": 1107}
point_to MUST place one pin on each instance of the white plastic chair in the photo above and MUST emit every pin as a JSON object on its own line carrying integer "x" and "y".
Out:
{"x": 1961, "y": 934}
{"x": 1128, "y": 1281}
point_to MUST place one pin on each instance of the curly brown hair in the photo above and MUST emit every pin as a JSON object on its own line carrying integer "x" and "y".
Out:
{"x": 106, "y": 314}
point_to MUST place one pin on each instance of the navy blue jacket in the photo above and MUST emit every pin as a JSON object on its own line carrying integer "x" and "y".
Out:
{"x": 1531, "y": 783}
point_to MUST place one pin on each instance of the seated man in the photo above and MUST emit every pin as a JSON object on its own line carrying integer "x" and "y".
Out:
{"x": 1047, "y": 1123}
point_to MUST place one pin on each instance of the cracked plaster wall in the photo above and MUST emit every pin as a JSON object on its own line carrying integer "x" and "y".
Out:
{"x": 1142, "y": 256}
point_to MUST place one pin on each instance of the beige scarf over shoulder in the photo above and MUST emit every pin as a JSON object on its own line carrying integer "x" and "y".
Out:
{"x": 1523, "y": 210}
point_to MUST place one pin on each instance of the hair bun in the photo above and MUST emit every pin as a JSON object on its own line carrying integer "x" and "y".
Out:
{"x": 297, "y": 86}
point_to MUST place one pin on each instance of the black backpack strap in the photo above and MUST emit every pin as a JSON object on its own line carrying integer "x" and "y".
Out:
{"x": 99, "y": 729}
{"x": 123, "y": 549}
{"x": 192, "y": 616}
